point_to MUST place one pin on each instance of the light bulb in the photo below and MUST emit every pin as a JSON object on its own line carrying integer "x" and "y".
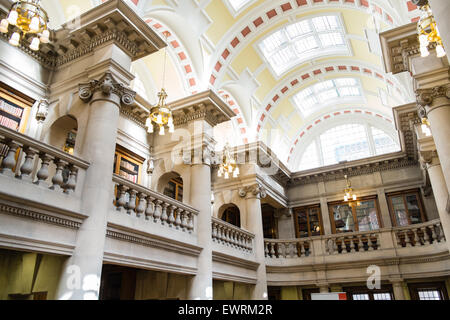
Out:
{"x": 45, "y": 38}
{"x": 150, "y": 129}
{"x": 424, "y": 52}
{"x": 440, "y": 52}
{"x": 161, "y": 130}
{"x": 345, "y": 198}
{"x": 12, "y": 18}
{"x": 423, "y": 39}
{"x": 34, "y": 25}
{"x": 4, "y": 26}
{"x": 227, "y": 176}
{"x": 354, "y": 197}
{"x": 230, "y": 169}
{"x": 15, "y": 38}
{"x": 159, "y": 119}
{"x": 35, "y": 44}
{"x": 219, "y": 173}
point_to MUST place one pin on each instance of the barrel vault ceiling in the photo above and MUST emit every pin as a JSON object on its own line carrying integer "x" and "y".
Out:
{"x": 236, "y": 48}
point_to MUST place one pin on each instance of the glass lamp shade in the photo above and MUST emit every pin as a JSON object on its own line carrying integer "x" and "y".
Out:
{"x": 161, "y": 130}
{"x": 4, "y": 26}
{"x": 45, "y": 38}
{"x": 35, "y": 24}
{"x": 35, "y": 44}
{"x": 345, "y": 198}
{"x": 12, "y": 18}
{"x": 424, "y": 52}
{"x": 15, "y": 38}
{"x": 227, "y": 176}
{"x": 440, "y": 52}
{"x": 354, "y": 197}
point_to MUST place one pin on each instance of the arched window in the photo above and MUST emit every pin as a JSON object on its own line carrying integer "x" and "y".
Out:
{"x": 231, "y": 214}
{"x": 304, "y": 40}
{"x": 347, "y": 142}
{"x": 171, "y": 185}
{"x": 62, "y": 133}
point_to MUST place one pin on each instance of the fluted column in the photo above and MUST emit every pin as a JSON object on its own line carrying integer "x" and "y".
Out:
{"x": 81, "y": 273}
{"x": 436, "y": 102}
{"x": 200, "y": 287}
{"x": 253, "y": 195}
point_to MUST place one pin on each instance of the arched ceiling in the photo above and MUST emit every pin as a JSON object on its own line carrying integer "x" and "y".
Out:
{"x": 212, "y": 45}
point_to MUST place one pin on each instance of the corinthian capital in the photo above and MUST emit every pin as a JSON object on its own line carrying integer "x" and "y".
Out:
{"x": 425, "y": 97}
{"x": 107, "y": 85}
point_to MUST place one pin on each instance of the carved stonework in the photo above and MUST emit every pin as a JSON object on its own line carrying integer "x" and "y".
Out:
{"x": 256, "y": 190}
{"x": 107, "y": 85}
{"x": 425, "y": 97}
{"x": 42, "y": 111}
{"x": 426, "y": 157}
{"x": 201, "y": 111}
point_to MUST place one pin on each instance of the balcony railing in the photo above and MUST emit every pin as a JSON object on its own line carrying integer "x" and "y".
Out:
{"x": 419, "y": 234}
{"x": 136, "y": 200}
{"x": 230, "y": 235}
{"x": 423, "y": 234}
{"x": 65, "y": 176}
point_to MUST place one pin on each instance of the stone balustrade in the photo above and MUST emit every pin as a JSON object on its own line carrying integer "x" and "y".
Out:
{"x": 356, "y": 242}
{"x": 230, "y": 235}
{"x": 278, "y": 249}
{"x": 19, "y": 160}
{"x": 419, "y": 234}
{"x": 143, "y": 203}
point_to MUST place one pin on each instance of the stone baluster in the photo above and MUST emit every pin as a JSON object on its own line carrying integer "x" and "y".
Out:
{"x": 191, "y": 222}
{"x": 141, "y": 205}
{"x": 132, "y": 202}
{"x": 171, "y": 216}
{"x": 178, "y": 218}
{"x": 272, "y": 250}
{"x": 214, "y": 231}
{"x": 42, "y": 174}
{"x": 27, "y": 167}
{"x": 9, "y": 162}
{"x": 157, "y": 212}
{"x": 72, "y": 180}
{"x": 164, "y": 216}
{"x": 184, "y": 223}
{"x": 266, "y": 249}
{"x": 121, "y": 201}
{"x": 295, "y": 250}
{"x": 58, "y": 179}
{"x": 150, "y": 207}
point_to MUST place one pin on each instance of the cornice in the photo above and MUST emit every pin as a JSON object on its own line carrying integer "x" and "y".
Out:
{"x": 233, "y": 260}
{"x": 39, "y": 216}
{"x": 234, "y": 278}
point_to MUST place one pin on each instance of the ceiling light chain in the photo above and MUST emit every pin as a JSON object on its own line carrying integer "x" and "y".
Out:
{"x": 27, "y": 17}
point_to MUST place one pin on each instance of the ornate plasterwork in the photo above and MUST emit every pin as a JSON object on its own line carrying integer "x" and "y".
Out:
{"x": 107, "y": 85}
{"x": 34, "y": 215}
{"x": 200, "y": 111}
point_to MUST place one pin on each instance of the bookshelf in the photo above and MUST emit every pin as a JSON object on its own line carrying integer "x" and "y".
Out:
{"x": 174, "y": 189}
{"x": 14, "y": 112}
{"x": 128, "y": 165}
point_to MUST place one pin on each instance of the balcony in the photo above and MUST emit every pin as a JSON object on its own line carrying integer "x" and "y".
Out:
{"x": 419, "y": 246}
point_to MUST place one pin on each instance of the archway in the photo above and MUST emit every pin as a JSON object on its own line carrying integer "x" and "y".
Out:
{"x": 62, "y": 133}
{"x": 230, "y": 213}
{"x": 171, "y": 185}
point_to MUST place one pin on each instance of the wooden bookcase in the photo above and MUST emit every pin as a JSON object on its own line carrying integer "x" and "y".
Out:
{"x": 128, "y": 165}
{"x": 15, "y": 110}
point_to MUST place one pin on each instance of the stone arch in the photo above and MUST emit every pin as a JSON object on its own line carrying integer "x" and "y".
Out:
{"x": 230, "y": 213}
{"x": 171, "y": 185}
{"x": 62, "y": 133}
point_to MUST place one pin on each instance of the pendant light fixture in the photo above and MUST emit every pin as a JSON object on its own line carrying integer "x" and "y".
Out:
{"x": 161, "y": 115}
{"x": 27, "y": 17}
{"x": 348, "y": 191}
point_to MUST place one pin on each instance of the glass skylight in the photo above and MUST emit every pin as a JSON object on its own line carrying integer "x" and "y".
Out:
{"x": 304, "y": 40}
{"x": 346, "y": 142}
{"x": 312, "y": 98}
{"x": 238, "y": 4}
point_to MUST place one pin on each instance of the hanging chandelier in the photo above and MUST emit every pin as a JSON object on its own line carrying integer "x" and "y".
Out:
{"x": 27, "y": 17}
{"x": 161, "y": 115}
{"x": 348, "y": 191}
{"x": 429, "y": 32}
{"x": 228, "y": 165}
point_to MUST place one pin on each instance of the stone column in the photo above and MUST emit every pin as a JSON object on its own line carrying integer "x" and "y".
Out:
{"x": 81, "y": 273}
{"x": 440, "y": 9}
{"x": 325, "y": 216}
{"x": 439, "y": 190}
{"x": 436, "y": 102}
{"x": 253, "y": 195}
{"x": 201, "y": 286}
{"x": 397, "y": 287}
{"x": 324, "y": 288}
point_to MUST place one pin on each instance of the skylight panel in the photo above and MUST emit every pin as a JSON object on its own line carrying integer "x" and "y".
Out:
{"x": 238, "y": 4}
{"x": 308, "y": 38}
{"x": 314, "y": 97}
